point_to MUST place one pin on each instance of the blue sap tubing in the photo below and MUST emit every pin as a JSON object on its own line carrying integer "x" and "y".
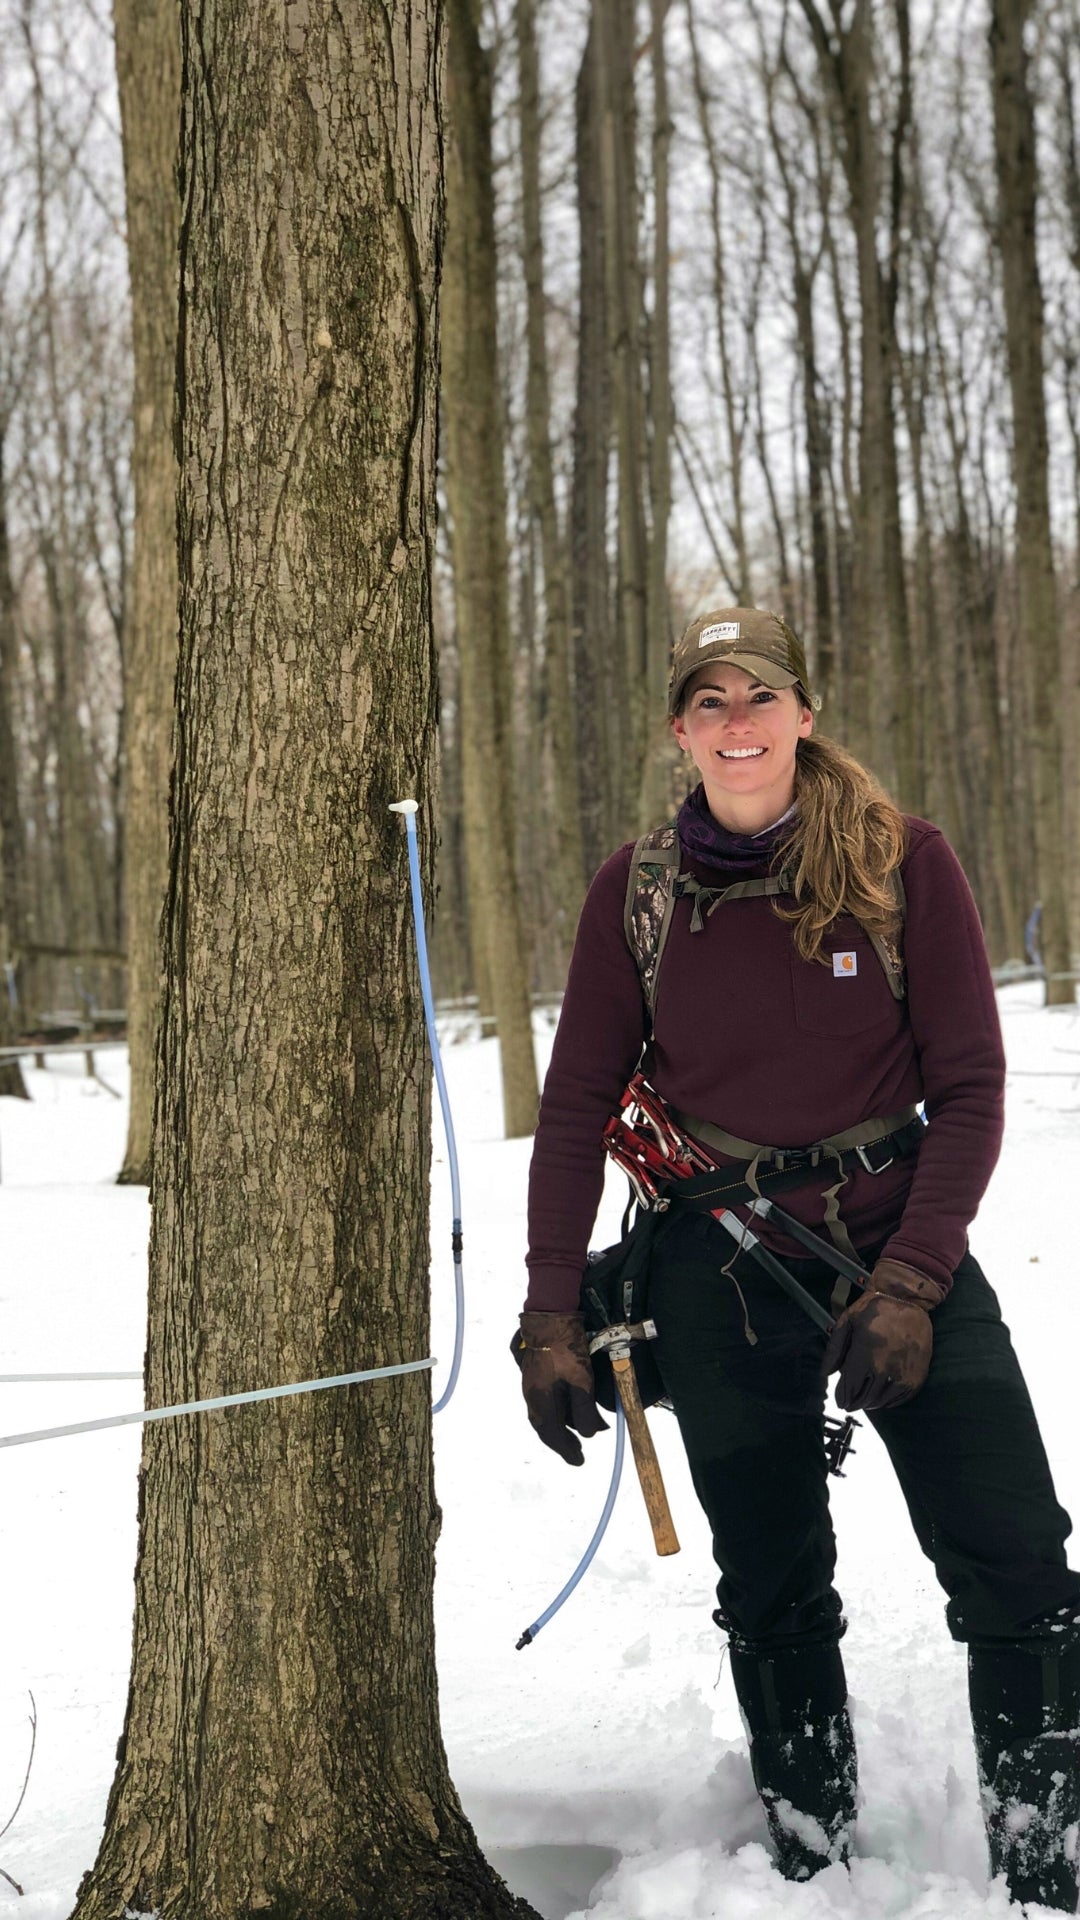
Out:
{"x": 409, "y": 809}
{"x": 586, "y": 1560}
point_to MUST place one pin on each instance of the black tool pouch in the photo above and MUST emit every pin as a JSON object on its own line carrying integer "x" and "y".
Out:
{"x": 615, "y": 1289}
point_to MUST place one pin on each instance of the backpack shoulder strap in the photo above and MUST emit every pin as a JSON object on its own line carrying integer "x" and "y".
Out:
{"x": 650, "y": 902}
{"x": 891, "y": 952}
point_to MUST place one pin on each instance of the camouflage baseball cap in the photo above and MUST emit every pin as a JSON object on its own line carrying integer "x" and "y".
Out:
{"x": 747, "y": 637}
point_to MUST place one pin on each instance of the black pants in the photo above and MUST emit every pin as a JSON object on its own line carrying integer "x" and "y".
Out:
{"x": 966, "y": 1449}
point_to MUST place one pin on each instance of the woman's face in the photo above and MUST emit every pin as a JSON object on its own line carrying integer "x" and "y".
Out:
{"x": 742, "y": 736}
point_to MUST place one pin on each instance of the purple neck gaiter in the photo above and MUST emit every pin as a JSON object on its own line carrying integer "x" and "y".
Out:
{"x": 703, "y": 839}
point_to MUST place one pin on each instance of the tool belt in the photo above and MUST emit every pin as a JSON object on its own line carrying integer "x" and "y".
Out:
{"x": 778, "y": 1169}
{"x": 663, "y": 1153}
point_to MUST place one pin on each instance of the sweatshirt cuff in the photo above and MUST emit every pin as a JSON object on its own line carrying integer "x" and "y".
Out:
{"x": 553, "y": 1289}
{"x": 930, "y": 1264}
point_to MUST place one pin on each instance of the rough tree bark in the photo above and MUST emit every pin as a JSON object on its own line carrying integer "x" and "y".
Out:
{"x": 1017, "y": 187}
{"x": 148, "y": 72}
{"x": 476, "y": 496}
{"x": 281, "y": 1753}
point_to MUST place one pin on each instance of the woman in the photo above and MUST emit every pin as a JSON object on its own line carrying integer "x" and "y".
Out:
{"x": 785, "y": 1020}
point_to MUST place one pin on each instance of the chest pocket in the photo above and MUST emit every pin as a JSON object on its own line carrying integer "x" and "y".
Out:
{"x": 849, "y": 994}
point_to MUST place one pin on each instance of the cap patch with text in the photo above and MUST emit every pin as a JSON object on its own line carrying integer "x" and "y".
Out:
{"x": 750, "y": 638}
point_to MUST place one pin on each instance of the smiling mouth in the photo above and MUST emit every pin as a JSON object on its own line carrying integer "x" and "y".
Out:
{"x": 741, "y": 753}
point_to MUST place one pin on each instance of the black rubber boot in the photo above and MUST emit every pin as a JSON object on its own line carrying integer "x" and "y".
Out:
{"x": 802, "y": 1752}
{"x": 1025, "y": 1710}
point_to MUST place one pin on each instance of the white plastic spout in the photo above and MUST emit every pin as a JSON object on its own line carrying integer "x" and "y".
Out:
{"x": 404, "y": 806}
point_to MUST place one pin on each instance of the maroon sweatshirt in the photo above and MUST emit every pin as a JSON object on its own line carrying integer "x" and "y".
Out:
{"x": 783, "y": 1052}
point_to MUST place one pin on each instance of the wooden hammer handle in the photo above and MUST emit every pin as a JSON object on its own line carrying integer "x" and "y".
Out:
{"x": 645, "y": 1460}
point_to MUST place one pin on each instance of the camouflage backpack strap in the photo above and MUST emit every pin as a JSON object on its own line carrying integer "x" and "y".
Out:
{"x": 650, "y": 902}
{"x": 654, "y": 883}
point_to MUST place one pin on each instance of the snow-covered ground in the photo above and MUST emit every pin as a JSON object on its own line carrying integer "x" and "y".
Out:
{"x": 604, "y": 1766}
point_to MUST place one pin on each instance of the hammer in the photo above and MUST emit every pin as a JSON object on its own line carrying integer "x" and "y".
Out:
{"x": 616, "y": 1342}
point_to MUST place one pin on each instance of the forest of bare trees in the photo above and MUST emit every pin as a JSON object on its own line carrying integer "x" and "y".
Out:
{"x": 381, "y": 390}
{"x": 65, "y": 515}
{"x": 775, "y": 304}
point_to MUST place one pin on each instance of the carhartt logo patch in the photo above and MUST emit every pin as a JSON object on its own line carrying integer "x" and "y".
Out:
{"x": 844, "y": 965}
{"x": 720, "y": 630}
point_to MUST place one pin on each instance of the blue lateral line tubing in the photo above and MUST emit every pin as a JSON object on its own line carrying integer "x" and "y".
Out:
{"x": 586, "y": 1560}
{"x": 46, "y": 1379}
{"x": 408, "y": 808}
{"x": 221, "y": 1400}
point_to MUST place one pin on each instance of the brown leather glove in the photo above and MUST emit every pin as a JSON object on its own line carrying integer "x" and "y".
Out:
{"x": 557, "y": 1381}
{"x": 882, "y": 1343}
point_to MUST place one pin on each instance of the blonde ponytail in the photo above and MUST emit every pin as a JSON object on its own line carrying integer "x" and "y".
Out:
{"x": 847, "y": 842}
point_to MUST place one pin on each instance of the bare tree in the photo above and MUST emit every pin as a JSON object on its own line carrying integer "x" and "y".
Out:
{"x": 12, "y": 849}
{"x": 556, "y": 710}
{"x": 1017, "y": 185}
{"x": 148, "y": 71}
{"x": 735, "y": 399}
{"x": 804, "y": 200}
{"x": 598, "y": 678}
{"x": 281, "y": 1749}
{"x": 476, "y": 496}
{"x": 614, "y": 81}
{"x": 882, "y": 728}
{"x": 656, "y": 778}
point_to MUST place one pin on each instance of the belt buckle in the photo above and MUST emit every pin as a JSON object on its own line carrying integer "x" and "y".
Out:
{"x": 793, "y": 1159}
{"x": 861, "y": 1154}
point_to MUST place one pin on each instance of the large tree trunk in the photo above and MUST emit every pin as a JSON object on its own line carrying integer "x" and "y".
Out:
{"x": 476, "y": 495}
{"x": 1014, "y": 153}
{"x": 281, "y": 1752}
{"x": 148, "y": 71}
